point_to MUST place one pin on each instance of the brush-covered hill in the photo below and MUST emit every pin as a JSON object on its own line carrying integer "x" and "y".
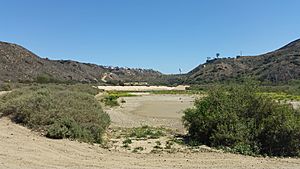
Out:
{"x": 18, "y": 64}
{"x": 278, "y": 66}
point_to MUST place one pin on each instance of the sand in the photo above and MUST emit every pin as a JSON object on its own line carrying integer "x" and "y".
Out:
{"x": 153, "y": 110}
{"x": 22, "y": 148}
{"x": 141, "y": 88}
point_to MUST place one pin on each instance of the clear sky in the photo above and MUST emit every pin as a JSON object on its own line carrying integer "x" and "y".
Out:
{"x": 161, "y": 34}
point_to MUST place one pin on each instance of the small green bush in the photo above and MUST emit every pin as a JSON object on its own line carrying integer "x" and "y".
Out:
{"x": 5, "y": 87}
{"x": 127, "y": 141}
{"x": 59, "y": 113}
{"x": 110, "y": 100}
{"x": 246, "y": 122}
{"x": 46, "y": 78}
{"x": 146, "y": 132}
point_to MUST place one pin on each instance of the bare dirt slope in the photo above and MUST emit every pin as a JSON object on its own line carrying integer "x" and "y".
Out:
{"x": 22, "y": 148}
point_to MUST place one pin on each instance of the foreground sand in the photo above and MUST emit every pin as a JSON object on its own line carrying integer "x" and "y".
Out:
{"x": 22, "y": 148}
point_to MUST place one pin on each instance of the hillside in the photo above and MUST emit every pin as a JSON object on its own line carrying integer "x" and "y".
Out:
{"x": 278, "y": 66}
{"x": 18, "y": 64}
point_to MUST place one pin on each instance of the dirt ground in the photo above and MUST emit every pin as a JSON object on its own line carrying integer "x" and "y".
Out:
{"x": 22, "y": 148}
{"x": 141, "y": 88}
{"x": 153, "y": 110}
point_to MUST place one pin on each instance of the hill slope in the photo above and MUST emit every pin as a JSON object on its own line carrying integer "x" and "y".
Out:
{"x": 277, "y": 66}
{"x": 19, "y": 64}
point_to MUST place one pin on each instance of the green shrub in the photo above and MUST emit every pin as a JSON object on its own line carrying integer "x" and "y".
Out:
{"x": 45, "y": 78}
{"x": 59, "y": 113}
{"x": 5, "y": 87}
{"x": 248, "y": 123}
{"x": 146, "y": 132}
{"x": 110, "y": 100}
{"x": 127, "y": 141}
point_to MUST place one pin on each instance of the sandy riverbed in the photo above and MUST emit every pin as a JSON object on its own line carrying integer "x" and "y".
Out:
{"x": 152, "y": 110}
{"x": 141, "y": 88}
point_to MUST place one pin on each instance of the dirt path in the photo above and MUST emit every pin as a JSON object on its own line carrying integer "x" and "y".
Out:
{"x": 21, "y": 148}
{"x": 152, "y": 110}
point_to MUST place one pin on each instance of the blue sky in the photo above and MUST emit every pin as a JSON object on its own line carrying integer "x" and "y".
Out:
{"x": 161, "y": 34}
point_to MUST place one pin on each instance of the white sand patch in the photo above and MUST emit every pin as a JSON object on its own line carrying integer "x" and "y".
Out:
{"x": 141, "y": 88}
